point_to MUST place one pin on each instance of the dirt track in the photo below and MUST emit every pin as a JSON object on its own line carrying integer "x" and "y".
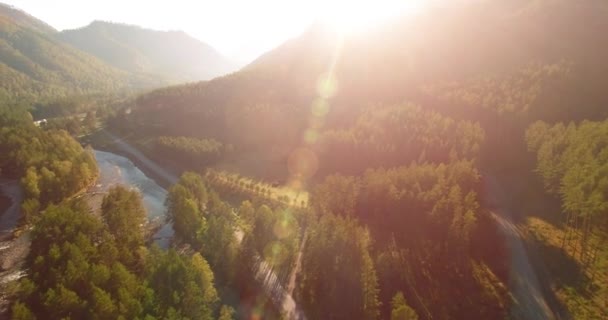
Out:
{"x": 529, "y": 302}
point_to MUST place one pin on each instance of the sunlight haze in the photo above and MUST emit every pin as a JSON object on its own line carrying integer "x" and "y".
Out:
{"x": 304, "y": 159}
{"x": 240, "y": 29}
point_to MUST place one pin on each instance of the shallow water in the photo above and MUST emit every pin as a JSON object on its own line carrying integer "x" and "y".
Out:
{"x": 10, "y": 218}
{"x": 115, "y": 169}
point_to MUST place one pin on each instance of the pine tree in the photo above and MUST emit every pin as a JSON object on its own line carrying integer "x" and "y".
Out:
{"x": 400, "y": 310}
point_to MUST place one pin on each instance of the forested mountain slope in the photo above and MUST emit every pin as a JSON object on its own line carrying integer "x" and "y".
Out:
{"x": 37, "y": 63}
{"x": 23, "y": 19}
{"x": 517, "y": 56}
{"x": 34, "y": 64}
{"x": 172, "y": 55}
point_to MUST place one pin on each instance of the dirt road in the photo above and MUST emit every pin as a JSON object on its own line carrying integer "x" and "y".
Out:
{"x": 529, "y": 302}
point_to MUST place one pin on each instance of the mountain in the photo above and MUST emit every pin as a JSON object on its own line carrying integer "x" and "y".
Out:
{"x": 23, "y": 19}
{"x": 35, "y": 65}
{"x": 172, "y": 55}
{"x": 39, "y": 63}
{"x": 401, "y": 60}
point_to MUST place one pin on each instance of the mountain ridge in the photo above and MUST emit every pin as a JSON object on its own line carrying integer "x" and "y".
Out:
{"x": 145, "y": 51}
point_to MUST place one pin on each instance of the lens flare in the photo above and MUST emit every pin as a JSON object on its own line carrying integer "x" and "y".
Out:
{"x": 302, "y": 162}
{"x": 320, "y": 107}
{"x": 282, "y": 229}
{"x": 311, "y": 136}
{"x": 327, "y": 85}
{"x": 275, "y": 253}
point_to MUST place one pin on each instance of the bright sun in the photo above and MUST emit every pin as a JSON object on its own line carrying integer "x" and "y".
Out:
{"x": 355, "y": 15}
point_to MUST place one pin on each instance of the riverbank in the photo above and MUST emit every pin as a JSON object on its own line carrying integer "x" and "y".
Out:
{"x": 14, "y": 244}
{"x": 163, "y": 174}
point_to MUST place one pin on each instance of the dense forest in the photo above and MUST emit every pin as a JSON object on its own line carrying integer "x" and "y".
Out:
{"x": 51, "y": 164}
{"x": 334, "y": 177}
{"x": 84, "y": 266}
{"x": 571, "y": 162}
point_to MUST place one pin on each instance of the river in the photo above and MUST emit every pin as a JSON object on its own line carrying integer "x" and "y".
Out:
{"x": 115, "y": 170}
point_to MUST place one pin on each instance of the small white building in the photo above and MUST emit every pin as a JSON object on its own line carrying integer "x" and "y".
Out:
{"x": 40, "y": 122}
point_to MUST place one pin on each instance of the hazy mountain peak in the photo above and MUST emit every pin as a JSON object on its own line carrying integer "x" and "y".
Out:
{"x": 172, "y": 55}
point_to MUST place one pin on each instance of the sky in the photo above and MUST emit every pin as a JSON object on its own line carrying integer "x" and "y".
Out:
{"x": 239, "y": 29}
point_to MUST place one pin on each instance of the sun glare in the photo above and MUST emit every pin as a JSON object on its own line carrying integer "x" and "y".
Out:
{"x": 357, "y": 15}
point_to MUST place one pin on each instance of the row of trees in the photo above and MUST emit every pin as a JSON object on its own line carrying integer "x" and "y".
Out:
{"x": 338, "y": 278}
{"x": 259, "y": 191}
{"x": 203, "y": 221}
{"x": 573, "y": 163}
{"x": 85, "y": 267}
{"x": 190, "y": 152}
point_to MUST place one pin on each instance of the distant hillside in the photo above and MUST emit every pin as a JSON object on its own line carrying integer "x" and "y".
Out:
{"x": 23, "y": 19}
{"x": 35, "y": 65}
{"x": 172, "y": 55}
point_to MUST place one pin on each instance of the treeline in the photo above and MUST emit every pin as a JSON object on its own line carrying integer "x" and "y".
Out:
{"x": 202, "y": 220}
{"x": 235, "y": 242}
{"x": 416, "y": 231}
{"x": 51, "y": 164}
{"x": 235, "y": 185}
{"x": 565, "y": 90}
{"x": 572, "y": 161}
{"x": 83, "y": 266}
{"x": 191, "y": 152}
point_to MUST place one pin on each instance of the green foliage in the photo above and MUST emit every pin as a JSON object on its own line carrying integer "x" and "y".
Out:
{"x": 226, "y": 313}
{"x": 184, "y": 287}
{"x": 337, "y": 262}
{"x": 52, "y": 165}
{"x": 185, "y": 207}
{"x": 400, "y": 310}
{"x": 21, "y": 312}
{"x": 81, "y": 267}
{"x": 202, "y": 220}
{"x": 36, "y": 65}
{"x": 123, "y": 212}
{"x": 391, "y": 136}
{"x": 75, "y": 270}
{"x": 191, "y": 152}
{"x": 573, "y": 162}
{"x": 272, "y": 234}
{"x": 428, "y": 230}
{"x": 564, "y": 90}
